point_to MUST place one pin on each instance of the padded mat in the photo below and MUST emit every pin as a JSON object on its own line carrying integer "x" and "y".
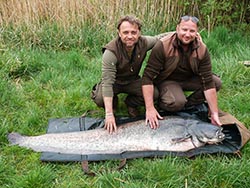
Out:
{"x": 231, "y": 144}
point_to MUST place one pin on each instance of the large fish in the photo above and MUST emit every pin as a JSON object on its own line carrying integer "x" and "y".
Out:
{"x": 174, "y": 134}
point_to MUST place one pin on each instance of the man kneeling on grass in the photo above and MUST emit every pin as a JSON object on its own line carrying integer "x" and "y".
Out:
{"x": 180, "y": 62}
{"x": 121, "y": 63}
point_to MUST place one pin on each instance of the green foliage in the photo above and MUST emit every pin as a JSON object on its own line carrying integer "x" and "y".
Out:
{"x": 222, "y": 38}
{"x": 39, "y": 176}
{"x": 54, "y": 37}
{"x": 89, "y": 34}
{"x": 214, "y": 13}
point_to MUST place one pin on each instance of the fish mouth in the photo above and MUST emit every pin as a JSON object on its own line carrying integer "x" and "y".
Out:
{"x": 215, "y": 140}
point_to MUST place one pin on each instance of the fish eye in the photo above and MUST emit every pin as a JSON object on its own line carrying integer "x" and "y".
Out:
{"x": 218, "y": 132}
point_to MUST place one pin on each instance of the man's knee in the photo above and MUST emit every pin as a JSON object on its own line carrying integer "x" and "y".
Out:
{"x": 172, "y": 98}
{"x": 99, "y": 102}
{"x": 218, "y": 82}
{"x": 96, "y": 95}
{"x": 156, "y": 93}
{"x": 172, "y": 105}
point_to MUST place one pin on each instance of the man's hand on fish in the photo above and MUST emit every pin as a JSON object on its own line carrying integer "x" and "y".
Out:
{"x": 215, "y": 119}
{"x": 152, "y": 118}
{"x": 110, "y": 124}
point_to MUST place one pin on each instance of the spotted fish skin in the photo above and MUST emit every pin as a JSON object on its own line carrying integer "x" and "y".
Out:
{"x": 174, "y": 134}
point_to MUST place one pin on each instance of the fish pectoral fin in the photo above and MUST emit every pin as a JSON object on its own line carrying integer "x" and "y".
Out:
{"x": 181, "y": 139}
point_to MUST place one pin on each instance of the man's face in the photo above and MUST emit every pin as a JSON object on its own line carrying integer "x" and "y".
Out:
{"x": 129, "y": 34}
{"x": 187, "y": 31}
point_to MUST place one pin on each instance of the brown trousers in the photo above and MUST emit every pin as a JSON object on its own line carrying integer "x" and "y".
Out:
{"x": 133, "y": 90}
{"x": 172, "y": 94}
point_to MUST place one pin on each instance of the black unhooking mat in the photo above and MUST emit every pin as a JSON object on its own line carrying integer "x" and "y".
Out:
{"x": 232, "y": 144}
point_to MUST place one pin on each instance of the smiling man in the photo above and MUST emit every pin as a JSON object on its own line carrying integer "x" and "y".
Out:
{"x": 180, "y": 62}
{"x": 121, "y": 63}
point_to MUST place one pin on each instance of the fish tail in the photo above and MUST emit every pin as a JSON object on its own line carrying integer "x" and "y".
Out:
{"x": 14, "y": 138}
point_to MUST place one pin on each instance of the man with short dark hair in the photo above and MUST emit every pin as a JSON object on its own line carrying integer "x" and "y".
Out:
{"x": 180, "y": 62}
{"x": 121, "y": 63}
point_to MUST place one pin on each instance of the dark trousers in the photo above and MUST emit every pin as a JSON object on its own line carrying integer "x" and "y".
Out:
{"x": 133, "y": 90}
{"x": 172, "y": 94}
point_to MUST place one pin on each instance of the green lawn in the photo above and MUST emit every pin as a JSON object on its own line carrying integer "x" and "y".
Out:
{"x": 37, "y": 84}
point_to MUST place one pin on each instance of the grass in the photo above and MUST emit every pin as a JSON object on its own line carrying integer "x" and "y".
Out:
{"x": 41, "y": 82}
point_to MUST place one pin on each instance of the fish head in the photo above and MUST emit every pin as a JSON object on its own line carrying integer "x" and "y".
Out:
{"x": 213, "y": 137}
{"x": 207, "y": 133}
